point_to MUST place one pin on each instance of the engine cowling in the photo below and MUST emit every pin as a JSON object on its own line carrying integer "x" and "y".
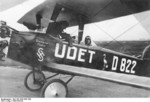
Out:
{"x": 5, "y": 34}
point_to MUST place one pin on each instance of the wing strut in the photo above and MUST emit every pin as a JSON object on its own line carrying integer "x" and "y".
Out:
{"x": 56, "y": 12}
{"x": 38, "y": 20}
{"x": 81, "y": 19}
{"x": 81, "y": 28}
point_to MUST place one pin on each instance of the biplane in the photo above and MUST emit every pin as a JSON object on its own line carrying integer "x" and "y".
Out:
{"x": 45, "y": 51}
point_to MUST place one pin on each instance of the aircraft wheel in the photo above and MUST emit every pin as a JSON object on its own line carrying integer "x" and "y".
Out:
{"x": 34, "y": 80}
{"x": 54, "y": 88}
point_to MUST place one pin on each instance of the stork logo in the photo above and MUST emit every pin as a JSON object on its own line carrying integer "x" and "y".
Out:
{"x": 40, "y": 54}
{"x": 105, "y": 63}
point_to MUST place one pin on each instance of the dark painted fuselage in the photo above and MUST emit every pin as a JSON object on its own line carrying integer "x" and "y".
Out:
{"x": 42, "y": 49}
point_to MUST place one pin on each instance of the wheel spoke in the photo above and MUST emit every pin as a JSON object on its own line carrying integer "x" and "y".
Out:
{"x": 34, "y": 80}
{"x": 55, "y": 88}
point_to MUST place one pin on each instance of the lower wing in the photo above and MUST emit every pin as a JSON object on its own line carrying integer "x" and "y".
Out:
{"x": 133, "y": 80}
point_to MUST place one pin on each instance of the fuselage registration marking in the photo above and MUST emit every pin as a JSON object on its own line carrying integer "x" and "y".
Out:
{"x": 125, "y": 65}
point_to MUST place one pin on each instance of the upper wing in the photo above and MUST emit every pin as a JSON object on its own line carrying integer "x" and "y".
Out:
{"x": 90, "y": 10}
{"x": 16, "y": 9}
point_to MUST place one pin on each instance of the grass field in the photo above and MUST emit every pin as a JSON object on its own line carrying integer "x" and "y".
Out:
{"x": 127, "y": 47}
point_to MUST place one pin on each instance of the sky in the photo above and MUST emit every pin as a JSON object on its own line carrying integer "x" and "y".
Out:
{"x": 122, "y": 28}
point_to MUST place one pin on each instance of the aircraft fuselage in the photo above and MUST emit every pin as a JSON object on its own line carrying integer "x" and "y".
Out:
{"x": 44, "y": 49}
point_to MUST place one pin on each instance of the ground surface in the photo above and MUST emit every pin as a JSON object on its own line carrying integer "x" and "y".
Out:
{"x": 12, "y": 85}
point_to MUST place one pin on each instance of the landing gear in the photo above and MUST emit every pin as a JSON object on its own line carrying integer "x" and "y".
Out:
{"x": 34, "y": 80}
{"x": 54, "y": 88}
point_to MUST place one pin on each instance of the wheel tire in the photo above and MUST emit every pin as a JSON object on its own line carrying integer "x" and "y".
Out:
{"x": 54, "y": 89}
{"x": 29, "y": 81}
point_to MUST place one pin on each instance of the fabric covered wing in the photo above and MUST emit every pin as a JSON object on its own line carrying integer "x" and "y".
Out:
{"x": 91, "y": 10}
